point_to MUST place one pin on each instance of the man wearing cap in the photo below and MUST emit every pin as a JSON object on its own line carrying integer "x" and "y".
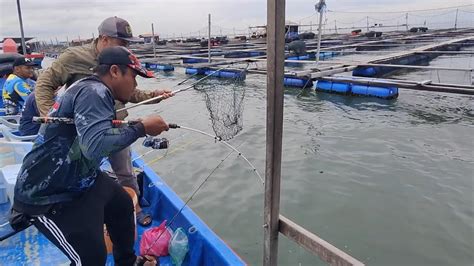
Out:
{"x": 60, "y": 186}
{"x": 18, "y": 85}
{"x": 76, "y": 63}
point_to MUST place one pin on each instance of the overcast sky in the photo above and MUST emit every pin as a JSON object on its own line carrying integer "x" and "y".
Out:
{"x": 47, "y": 19}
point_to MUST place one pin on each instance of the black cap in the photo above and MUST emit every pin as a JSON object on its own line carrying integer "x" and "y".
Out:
{"x": 22, "y": 61}
{"x": 117, "y": 28}
{"x": 118, "y": 55}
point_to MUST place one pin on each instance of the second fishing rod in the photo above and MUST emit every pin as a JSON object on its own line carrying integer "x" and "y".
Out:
{"x": 213, "y": 73}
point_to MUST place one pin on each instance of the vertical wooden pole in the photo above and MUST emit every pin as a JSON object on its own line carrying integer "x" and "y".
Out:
{"x": 275, "y": 74}
{"x": 23, "y": 43}
{"x": 367, "y": 23}
{"x": 209, "y": 41}
{"x": 456, "y": 20}
{"x": 319, "y": 32}
{"x": 153, "y": 40}
{"x": 406, "y": 20}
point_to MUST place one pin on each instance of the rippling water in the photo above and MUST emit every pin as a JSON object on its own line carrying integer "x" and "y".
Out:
{"x": 389, "y": 182}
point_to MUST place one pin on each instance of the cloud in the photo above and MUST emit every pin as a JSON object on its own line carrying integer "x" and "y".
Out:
{"x": 60, "y": 19}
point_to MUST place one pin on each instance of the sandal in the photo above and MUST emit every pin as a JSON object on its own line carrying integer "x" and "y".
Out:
{"x": 144, "y": 219}
{"x": 146, "y": 260}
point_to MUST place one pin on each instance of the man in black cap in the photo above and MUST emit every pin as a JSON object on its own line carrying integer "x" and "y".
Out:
{"x": 76, "y": 63}
{"x": 18, "y": 85}
{"x": 60, "y": 185}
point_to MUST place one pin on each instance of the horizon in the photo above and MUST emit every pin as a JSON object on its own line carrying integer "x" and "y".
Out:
{"x": 65, "y": 19}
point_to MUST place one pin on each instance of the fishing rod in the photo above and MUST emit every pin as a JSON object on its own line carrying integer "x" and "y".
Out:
{"x": 10, "y": 234}
{"x": 219, "y": 139}
{"x": 70, "y": 121}
{"x": 18, "y": 222}
{"x": 160, "y": 97}
{"x": 152, "y": 142}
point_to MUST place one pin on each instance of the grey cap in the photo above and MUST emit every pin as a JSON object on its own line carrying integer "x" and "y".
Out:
{"x": 117, "y": 28}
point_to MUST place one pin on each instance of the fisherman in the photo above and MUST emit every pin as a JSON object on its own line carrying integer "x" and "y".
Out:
{"x": 60, "y": 187}
{"x": 297, "y": 48}
{"x": 76, "y": 63}
{"x": 18, "y": 85}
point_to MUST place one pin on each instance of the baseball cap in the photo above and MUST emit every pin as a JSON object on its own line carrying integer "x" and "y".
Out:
{"x": 118, "y": 55}
{"x": 117, "y": 28}
{"x": 22, "y": 61}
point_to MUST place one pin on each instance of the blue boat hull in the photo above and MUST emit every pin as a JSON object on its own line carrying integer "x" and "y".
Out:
{"x": 205, "y": 247}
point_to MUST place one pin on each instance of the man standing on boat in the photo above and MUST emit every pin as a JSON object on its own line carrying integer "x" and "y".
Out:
{"x": 76, "y": 63}
{"x": 18, "y": 85}
{"x": 60, "y": 187}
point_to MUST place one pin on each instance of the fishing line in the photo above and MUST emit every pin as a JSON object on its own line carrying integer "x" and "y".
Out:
{"x": 188, "y": 200}
{"x": 151, "y": 162}
{"x": 152, "y": 150}
{"x": 219, "y": 139}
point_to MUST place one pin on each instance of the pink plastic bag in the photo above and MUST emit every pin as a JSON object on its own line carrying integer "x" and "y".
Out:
{"x": 155, "y": 241}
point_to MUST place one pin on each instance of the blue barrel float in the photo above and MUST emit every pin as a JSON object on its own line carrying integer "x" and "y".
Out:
{"x": 241, "y": 54}
{"x": 377, "y": 71}
{"x": 162, "y": 67}
{"x": 225, "y": 73}
{"x": 290, "y": 81}
{"x": 309, "y": 56}
{"x": 195, "y": 71}
{"x": 356, "y": 89}
{"x": 194, "y": 60}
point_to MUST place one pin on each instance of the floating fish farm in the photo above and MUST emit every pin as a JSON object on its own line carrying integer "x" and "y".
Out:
{"x": 347, "y": 65}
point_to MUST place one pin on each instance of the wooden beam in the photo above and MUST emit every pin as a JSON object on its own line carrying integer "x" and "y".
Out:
{"x": 316, "y": 245}
{"x": 274, "y": 134}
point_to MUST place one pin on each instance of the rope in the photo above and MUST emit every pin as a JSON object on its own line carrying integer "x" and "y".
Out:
{"x": 404, "y": 11}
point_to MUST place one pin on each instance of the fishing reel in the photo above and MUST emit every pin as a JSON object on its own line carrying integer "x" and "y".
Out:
{"x": 156, "y": 143}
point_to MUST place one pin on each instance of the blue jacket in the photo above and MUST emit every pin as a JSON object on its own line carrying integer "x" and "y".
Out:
{"x": 65, "y": 158}
{"x": 16, "y": 89}
{"x": 27, "y": 127}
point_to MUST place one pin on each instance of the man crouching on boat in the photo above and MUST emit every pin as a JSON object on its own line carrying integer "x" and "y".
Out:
{"x": 60, "y": 186}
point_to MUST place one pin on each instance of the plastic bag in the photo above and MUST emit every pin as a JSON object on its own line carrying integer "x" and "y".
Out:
{"x": 155, "y": 241}
{"x": 178, "y": 247}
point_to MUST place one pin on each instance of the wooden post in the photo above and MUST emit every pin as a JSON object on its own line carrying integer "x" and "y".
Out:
{"x": 406, "y": 20}
{"x": 153, "y": 40}
{"x": 275, "y": 70}
{"x": 320, "y": 8}
{"x": 209, "y": 41}
{"x": 367, "y": 23}
{"x": 23, "y": 43}
{"x": 456, "y": 19}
